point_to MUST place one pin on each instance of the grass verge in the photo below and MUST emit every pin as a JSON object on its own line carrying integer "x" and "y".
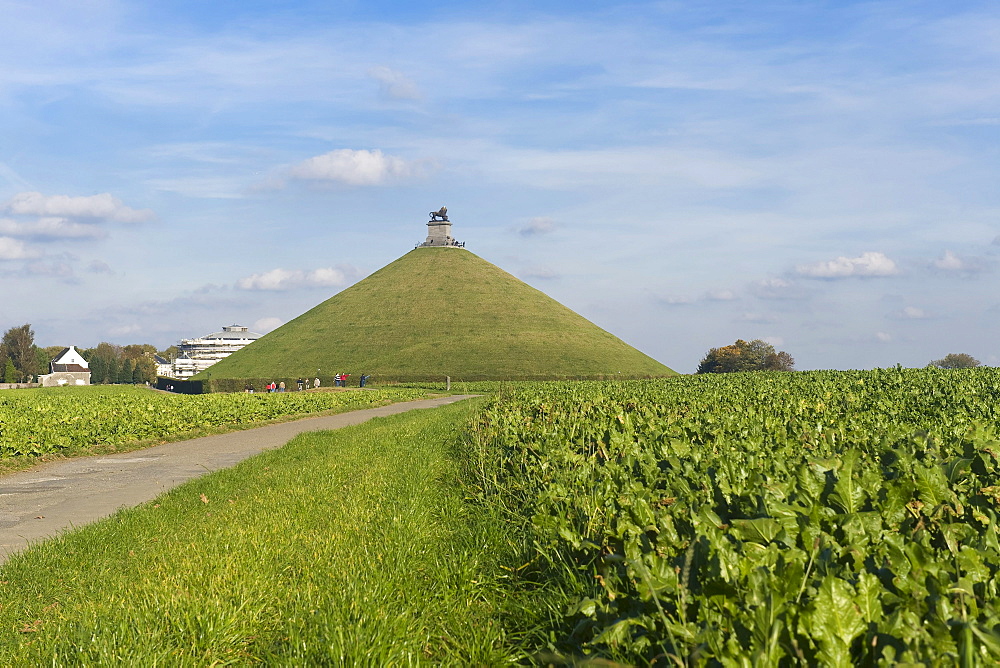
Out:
{"x": 348, "y": 547}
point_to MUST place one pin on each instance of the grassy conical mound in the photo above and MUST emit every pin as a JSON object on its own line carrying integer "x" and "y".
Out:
{"x": 439, "y": 312}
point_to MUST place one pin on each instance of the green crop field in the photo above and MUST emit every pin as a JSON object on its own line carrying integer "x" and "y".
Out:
{"x": 822, "y": 518}
{"x": 43, "y": 421}
{"x": 818, "y": 518}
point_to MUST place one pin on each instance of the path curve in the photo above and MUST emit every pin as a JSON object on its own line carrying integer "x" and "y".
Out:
{"x": 50, "y": 498}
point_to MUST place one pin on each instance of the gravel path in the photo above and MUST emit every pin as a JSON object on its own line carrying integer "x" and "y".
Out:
{"x": 44, "y": 501}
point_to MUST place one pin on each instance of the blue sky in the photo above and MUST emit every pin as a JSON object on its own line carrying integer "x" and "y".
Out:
{"x": 822, "y": 175}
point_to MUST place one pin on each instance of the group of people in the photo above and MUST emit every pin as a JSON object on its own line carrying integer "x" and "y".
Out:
{"x": 304, "y": 384}
{"x": 339, "y": 380}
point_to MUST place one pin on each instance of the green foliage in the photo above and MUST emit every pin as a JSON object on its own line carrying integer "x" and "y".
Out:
{"x": 54, "y": 419}
{"x": 343, "y": 548}
{"x": 820, "y": 518}
{"x": 956, "y": 361}
{"x": 439, "y": 312}
{"x": 138, "y": 350}
{"x": 18, "y": 346}
{"x": 111, "y": 365}
{"x": 10, "y": 374}
{"x": 43, "y": 358}
{"x": 757, "y": 355}
{"x": 125, "y": 370}
{"x": 145, "y": 371}
{"x": 98, "y": 370}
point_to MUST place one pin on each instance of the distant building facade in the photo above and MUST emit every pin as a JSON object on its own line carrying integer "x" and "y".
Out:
{"x": 196, "y": 355}
{"x": 67, "y": 368}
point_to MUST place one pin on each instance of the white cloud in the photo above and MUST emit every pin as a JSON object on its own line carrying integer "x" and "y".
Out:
{"x": 276, "y": 279}
{"x": 393, "y": 84}
{"x": 913, "y": 313}
{"x": 290, "y": 279}
{"x": 99, "y": 267}
{"x": 867, "y": 264}
{"x": 957, "y": 264}
{"x": 674, "y": 300}
{"x": 123, "y": 330}
{"x": 883, "y": 337}
{"x": 720, "y": 296}
{"x": 950, "y": 262}
{"x": 58, "y": 268}
{"x": 537, "y": 226}
{"x": 12, "y": 249}
{"x": 103, "y": 206}
{"x": 327, "y": 276}
{"x": 777, "y": 288}
{"x": 51, "y": 228}
{"x": 358, "y": 168}
{"x": 265, "y": 325}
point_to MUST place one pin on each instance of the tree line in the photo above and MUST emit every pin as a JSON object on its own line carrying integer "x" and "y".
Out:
{"x": 758, "y": 355}
{"x": 21, "y": 360}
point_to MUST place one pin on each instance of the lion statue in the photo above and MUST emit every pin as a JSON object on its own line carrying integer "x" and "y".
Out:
{"x": 439, "y": 215}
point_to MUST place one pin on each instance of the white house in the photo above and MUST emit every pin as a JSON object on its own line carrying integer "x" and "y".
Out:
{"x": 67, "y": 368}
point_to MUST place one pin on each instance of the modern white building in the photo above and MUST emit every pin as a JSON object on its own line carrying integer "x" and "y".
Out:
{"x": 196, "y": 355}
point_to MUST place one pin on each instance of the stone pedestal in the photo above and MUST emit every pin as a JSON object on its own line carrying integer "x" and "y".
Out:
{"x": 439, "y": 235}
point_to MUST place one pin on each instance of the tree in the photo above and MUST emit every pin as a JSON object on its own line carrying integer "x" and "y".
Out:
{"x": 168, "y": 353}
{"x": 125, "y": 372}
{"x": 145, "y": 371}
{"x": 757, "y": 355}
{"x": 44, "y": 357}
{"x": 98, "y": 370}
{"x": 19, "y": 348}
{"x": 104, "y": 363}
{"x": 138, "y": 350}
{"x": 956, "y": 361}
{"x": 780, "y": 361}
{"x": 111, "y": 363}
{"x": 111, "y": 370}
{"x": 9, "y": 372}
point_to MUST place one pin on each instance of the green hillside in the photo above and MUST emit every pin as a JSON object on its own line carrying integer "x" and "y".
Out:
{"x": 439, "y": 312}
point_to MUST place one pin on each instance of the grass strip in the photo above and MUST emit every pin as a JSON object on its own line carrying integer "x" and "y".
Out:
{"x": 347, "y": 547}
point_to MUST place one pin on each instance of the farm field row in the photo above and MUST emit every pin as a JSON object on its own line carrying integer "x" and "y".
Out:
{"x": 820, "y": 518}
{"x": 38, "y": 422}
